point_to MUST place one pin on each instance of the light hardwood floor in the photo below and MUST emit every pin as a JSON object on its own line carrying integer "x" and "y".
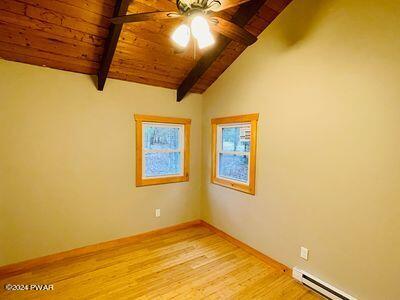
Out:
{"x": 192, "y": 263}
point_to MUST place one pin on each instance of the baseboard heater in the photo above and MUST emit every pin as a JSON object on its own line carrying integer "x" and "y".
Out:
{"x": 319, "y": 286}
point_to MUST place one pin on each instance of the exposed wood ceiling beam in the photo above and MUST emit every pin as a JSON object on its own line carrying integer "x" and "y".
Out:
{"x": 241, "y": 18}
{"x": 120, "y": 9}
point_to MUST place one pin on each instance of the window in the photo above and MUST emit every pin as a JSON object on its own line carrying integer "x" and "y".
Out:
{"x": 234, "y": 142}
{"x": 162, "y": 150}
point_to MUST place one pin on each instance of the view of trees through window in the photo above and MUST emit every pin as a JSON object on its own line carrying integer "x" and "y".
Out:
{"x": 161, "y": 163}
{"x": 233, "y": 140}
{"x": 234, "y": 154}
{"x": 157, "y": 138}
{"x": 234, "y": 166}
{"x": 162, "y": 151}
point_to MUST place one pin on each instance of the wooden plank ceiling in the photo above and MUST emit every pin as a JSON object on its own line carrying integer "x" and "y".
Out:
{"x": 70, "y": 35}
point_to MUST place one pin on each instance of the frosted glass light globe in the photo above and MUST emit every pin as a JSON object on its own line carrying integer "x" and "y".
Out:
{"x": 181, "y": 35}
{"x": 205, "y": 40}
{"x": 199, "y": 27}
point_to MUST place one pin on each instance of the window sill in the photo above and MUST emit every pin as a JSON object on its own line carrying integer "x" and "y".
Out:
{"x": 233, "y": 185}
{"x": 164, "y": 180}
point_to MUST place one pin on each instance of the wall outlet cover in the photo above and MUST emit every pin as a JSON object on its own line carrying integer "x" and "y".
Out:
{"x": 304, "y": 253}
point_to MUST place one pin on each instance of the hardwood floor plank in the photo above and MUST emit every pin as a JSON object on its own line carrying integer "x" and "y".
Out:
{"x": 191, "y": 263}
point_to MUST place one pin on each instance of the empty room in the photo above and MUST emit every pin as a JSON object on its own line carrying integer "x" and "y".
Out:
{"x": 200, "y": 149}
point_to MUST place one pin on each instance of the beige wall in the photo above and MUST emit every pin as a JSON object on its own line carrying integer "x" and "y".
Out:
{"x": 67, "y": 162}
{"x": 325, "y": 78}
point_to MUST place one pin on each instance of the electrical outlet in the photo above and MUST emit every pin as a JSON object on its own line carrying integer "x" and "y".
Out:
{"x": 304, "y": 253}
{"x": 158, "y": 212}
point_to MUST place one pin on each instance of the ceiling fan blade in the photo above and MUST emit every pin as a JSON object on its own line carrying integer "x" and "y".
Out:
{"x": 233, "y": 31}
{"x": 225, "y": 4}
{"x": 151, "y": 16}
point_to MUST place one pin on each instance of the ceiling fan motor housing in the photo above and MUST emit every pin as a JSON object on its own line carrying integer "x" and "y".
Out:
{"x": 190, "y": 7}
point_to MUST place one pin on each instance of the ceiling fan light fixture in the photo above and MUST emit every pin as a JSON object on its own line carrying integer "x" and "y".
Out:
{"x": 200, "y": 28}
{"x": 181, "y": 35}
{"x": 205, "y": 40}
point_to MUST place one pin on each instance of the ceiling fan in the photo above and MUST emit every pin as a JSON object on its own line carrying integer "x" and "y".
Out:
{"x": 197, "y": 16}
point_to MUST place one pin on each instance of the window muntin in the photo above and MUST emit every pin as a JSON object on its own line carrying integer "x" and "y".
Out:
{"x": 163, "y": 149}
{"x": 233, "y": 152}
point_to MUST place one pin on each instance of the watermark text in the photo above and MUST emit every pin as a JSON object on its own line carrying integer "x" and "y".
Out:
{"x": 28, "y": 287}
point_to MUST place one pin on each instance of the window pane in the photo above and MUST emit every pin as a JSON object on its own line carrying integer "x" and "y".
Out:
{"x": 156, "y": 138}
{"x": 162, "y": 163}
{"x": 234, "y": 166}
{"x": 236, "y": 138}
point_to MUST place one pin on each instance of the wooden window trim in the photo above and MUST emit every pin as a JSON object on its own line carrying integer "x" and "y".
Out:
{"x": 139, "y": 119}
{"x": 253, "y": 120}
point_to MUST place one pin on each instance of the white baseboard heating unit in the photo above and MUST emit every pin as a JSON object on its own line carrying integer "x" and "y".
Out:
{"x": 319, "y": 286}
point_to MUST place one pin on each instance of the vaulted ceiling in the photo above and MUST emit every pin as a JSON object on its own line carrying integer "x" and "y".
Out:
{"x": 71, "y": 34}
